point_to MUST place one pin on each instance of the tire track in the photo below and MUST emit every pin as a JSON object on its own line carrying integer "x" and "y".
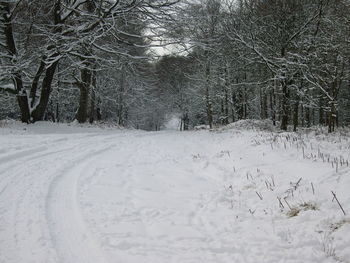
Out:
{"x": 70, "y": 236}
{"x": 23, "y": 218}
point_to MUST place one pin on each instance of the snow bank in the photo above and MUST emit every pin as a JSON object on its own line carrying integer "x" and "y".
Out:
{"x": 46, "y": 127}
{"x": 255, "y": 125}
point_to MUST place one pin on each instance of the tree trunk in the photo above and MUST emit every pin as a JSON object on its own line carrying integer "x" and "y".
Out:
{"x": 226, "y": 105}
{"x": 207, "y": 96}
{"x": 84, "y": 87}
{"x": 285, "y": 106}
{"x": 233, "y": 106}
{"x": 98, "y": 114}
{"x": 22, "y": 100}
{"x": 296, "y": 113}
{"x": 332, "y": 117}
{"x": 245, "y": 104}
{"x": 58, "y": 93}
{"x": 39, "y": 111}
{"x": 121, "y": 98}
{"x": 320, "y": 111}
{"x": 81, "y": 115}
{"x": 245, "y": 99}
{"x": 222, "y": 112}
{"x": 186, "y": 121}
{"x": 307, "y": 117}
{"x": 22, "y": 97}
{"x": 263, "y": 104}
{"x": 272, "y": 106}
{"x": 302, "y": 115}
{"x": 92, "y": 111}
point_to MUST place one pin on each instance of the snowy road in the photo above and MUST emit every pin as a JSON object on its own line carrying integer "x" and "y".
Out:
{"x": 131, "y": 196}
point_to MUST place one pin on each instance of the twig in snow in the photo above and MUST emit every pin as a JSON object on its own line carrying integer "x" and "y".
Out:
{"x": 296, "y": 185}
{"x": 313, "y": 189}
{"x": 259, "y": 195}
{"x": 285, "y": 200}
{"x": 336, "y": 167}
{"x": 252, "y": 212}
{"x": 280, "y": 203}
{"x": 267, "y": 186}
{"x": 335, "y": 197}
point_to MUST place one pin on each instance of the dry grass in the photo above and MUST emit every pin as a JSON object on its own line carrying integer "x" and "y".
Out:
{"x": 294, "y": 211}
{"x": 337, "y": 225}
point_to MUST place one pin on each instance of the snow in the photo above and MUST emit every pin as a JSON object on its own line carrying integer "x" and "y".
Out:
{"x": 72, "y": 193}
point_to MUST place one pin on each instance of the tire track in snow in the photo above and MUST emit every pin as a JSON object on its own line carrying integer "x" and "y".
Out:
{"x": 69, "y": 233}
{"x": 19, "y": 162}
{"x": 21, "y": 154}
{"x": 19, "y": 169}
{"x": 24, "y": 187}
{"x": 22, "y": 219}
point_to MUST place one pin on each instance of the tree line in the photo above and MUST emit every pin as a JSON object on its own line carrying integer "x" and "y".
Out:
{"x": 76, "y": 59}
{"x": 283, "y": 60}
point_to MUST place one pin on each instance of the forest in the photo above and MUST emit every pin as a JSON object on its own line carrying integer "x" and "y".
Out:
{"x": 177, "y": 131}
{"x": 208, "y": 62}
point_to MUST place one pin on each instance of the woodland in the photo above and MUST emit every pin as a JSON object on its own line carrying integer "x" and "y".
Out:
{"x": 208, "y": 62}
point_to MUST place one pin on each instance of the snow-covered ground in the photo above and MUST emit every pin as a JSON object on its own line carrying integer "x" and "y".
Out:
{"x": 75, "y": 194}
